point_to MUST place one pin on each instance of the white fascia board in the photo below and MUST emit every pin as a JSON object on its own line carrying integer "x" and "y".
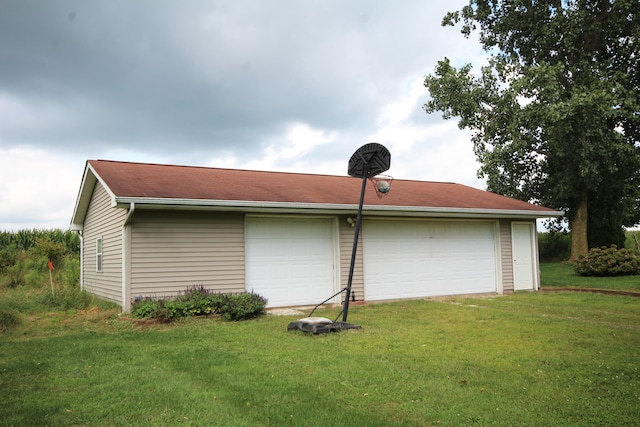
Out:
{"x": 293, "y": 207}
{"x": 112, "y": 196}
{"x": 244, "y": 205}
{"x": 87, "y": 186}
{"x": 84, "y": 197}
{"x": 493, "y": 213}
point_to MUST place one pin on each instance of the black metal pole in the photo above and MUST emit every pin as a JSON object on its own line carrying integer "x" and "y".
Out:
{"x": 347, "y": 297}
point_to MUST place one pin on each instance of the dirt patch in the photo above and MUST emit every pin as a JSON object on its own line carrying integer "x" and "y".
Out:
{"x": 450, "y": 298}
{"x": 92, "y": 310}
{"x": 593, "y": 291}
{"x": 284, "y": 312}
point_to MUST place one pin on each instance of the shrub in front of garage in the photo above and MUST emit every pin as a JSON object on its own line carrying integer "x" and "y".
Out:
{"x": 200, "y": 301}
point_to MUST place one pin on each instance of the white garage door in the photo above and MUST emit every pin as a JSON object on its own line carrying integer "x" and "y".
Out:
{"x": 410, "y": 259}
{"x": 290, "y": 261}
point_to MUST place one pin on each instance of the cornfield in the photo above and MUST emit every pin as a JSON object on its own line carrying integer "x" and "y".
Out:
{"x": 25, "y": 239}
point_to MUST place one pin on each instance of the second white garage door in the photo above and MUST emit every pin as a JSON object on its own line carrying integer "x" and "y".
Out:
{"x": 411, "y": 259}
{"x": 290, "y": 261}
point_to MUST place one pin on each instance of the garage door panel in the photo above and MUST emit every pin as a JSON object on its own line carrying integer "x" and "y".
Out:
{"x": 420, "y": 258}
{"x": 290, "y": 261}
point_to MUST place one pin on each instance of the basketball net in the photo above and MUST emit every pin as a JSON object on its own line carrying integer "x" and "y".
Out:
{"x": 382, "y": 184}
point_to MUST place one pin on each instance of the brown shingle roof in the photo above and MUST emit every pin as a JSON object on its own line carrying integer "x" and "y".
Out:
{"x": 152, "y": 181}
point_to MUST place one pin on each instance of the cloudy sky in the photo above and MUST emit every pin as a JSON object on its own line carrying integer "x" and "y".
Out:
{"x": 282, "y": 85}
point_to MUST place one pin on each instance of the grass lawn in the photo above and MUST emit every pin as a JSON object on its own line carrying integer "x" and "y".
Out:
{"x": 543, "y": 359}
{"x": 563, "y": 275}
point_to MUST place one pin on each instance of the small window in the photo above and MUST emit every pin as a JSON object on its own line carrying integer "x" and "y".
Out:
{"x": 99, "y": 254}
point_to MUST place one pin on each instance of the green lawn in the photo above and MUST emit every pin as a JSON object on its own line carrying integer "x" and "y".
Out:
{"x": 563, "y": 275}
{"x": 543, "y": 359}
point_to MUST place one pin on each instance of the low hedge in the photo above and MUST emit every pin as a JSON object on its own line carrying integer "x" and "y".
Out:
{"x": 608, "y": 261}
{"x": 199, "y": 301}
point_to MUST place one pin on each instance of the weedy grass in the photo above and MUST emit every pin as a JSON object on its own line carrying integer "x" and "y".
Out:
{"x": 553, "y": 274}
{"x": 544, "y": 359}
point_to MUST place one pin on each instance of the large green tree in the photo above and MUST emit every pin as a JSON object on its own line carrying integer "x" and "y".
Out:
{"x": 555, "y": 111}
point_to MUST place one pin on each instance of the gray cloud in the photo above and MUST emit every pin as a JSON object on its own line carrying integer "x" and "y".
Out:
{"x": 194, "y": 82}
{"x": 202, "y": 73}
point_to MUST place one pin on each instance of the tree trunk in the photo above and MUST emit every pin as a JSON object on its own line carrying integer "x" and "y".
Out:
{"x": 579, "y": 243}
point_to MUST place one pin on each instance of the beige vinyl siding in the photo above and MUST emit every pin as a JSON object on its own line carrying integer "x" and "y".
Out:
{"x": 346, "y": 247}
{"x": 506, "y": 255}
{"x": 174, "y": 250}
{"x": 104, "y": 221}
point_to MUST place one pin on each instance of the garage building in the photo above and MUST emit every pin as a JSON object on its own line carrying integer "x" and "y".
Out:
{"x": 156, "y": 230}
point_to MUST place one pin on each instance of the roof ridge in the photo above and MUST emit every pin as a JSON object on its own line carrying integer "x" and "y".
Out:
{"x": 219, "y": 168}
{"x": 268, "y": 171}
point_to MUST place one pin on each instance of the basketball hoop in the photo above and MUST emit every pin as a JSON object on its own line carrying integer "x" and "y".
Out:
{"x": 368, "y": 162}
{"x": 382, "y": 184}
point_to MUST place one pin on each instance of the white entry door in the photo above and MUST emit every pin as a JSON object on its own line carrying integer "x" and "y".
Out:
{"x": 524, "y": 259}
{"x": 290, "y": 261}
{"x": 411, "y": 259}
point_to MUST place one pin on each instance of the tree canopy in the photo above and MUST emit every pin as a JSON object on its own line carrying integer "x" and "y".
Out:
{"x": 555, "y": 111}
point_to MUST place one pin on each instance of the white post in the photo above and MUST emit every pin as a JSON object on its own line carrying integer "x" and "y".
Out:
{"x": 51, "y": 279}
